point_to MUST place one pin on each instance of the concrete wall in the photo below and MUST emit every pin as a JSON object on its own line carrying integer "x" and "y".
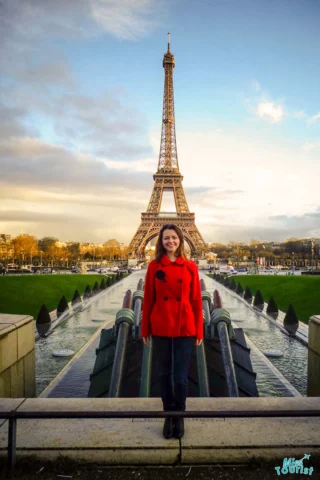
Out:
{"x": 313, "y": 388}
{"x": 17, "y": 356}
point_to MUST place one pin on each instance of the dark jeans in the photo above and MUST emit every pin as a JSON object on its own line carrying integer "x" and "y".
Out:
{"x": 173, "y": 355}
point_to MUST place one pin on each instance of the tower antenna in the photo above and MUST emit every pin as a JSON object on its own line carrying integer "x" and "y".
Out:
{"x": 168, "y": 42}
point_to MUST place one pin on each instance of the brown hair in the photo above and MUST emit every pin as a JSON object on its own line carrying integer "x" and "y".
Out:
{"x": 160, "y": 250}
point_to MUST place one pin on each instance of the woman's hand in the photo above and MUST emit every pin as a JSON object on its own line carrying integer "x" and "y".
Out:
{"x": 146, "y": 341}
{"x": 198, "y": 343}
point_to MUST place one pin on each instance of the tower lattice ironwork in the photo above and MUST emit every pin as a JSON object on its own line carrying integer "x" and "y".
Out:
{"x": 167, "y": 178}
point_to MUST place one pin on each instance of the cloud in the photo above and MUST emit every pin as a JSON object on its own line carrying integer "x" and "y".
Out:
{"x": 314, "y": 118}
{"x": 124, "y": 19}
{"x": 269, "y": 110}
{"x": 309, "y": 146}
{"x": 256, "y": 86}
{"x": 234, "y": 196}
{"x": 299, "y": 114}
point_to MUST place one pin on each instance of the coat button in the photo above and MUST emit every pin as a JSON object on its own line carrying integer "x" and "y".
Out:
{"x": 165, "y": 298}
{"x": 178, "y": 299}
{"x": 179, "y": 281}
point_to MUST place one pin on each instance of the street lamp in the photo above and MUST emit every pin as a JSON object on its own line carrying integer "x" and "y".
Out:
{"x": 312, "y": 249}
{"x": 41, "y": 252}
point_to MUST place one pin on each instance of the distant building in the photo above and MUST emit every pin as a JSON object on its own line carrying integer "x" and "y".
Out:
{"x": 5, "y": 237}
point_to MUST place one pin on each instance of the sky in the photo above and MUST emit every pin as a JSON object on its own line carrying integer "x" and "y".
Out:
{"x": 81, "y": 93}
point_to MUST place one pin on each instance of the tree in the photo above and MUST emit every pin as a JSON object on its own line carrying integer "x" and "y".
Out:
{"x": 46, "y": 242}
{"x": 74, "y": 248}
{"x": 25, "y": 244}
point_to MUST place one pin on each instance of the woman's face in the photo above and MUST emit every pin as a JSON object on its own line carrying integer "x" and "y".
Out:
{"x": 170, "y": 241}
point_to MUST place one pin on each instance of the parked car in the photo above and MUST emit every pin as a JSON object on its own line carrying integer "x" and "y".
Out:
{"x": 26, "y": 270}
{"x": 114, "y": 269}
{"x": 242, "y": 269}
{"x": 123, "y": 270}
{"x": 136, "y": 267}
{"x": 228, "y": 269}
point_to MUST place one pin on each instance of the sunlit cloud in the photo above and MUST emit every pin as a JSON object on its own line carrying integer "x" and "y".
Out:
{"x": 270, "y": 111}
{"x": 309, "y": 146}
{"x": 314, "y": 118}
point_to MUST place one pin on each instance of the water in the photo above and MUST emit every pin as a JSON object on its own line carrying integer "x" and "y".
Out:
{"x": 267, "y": 336}
{"x": 77, "y": 331}
{"x": 73, "y": 334}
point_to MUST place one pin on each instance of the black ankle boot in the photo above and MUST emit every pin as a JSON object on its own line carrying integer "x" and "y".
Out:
{"x": 178, "y": 428}
{"x": 168, "y": 427}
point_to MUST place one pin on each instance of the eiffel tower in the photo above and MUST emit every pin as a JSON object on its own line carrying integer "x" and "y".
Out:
{"x": 167, "y": 178}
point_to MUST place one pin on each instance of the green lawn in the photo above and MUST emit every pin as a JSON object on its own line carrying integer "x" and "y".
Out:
{"x": 302, "y": 292}
{"x": 26, "y": 294}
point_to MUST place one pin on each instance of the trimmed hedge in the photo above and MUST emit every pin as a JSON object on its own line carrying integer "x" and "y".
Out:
{"x": 272, "y": 308}
{"x": 258, "y": 299}
{"x": 43, "y": 315}
{"x": 62, "y": 306}
{"x": 87, "y": 292}
{"x": 291, "y": 322}
{"x": 239, "y": 289}
{"x": 76, "y": 297}
{"x": 247, "y": 294}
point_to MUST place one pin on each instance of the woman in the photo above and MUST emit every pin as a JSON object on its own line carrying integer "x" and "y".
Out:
{"x": 172, "y": 314}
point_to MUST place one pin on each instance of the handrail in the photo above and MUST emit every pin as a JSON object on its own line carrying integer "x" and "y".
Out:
{"x": 220, "y": 321}
{"x": 254, "y": 413}
{"x": 123, "y": 321}
{"x": 204, "y": 390}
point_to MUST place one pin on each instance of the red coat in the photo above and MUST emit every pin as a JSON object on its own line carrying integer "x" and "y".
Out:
{"x": 172, "y": 304}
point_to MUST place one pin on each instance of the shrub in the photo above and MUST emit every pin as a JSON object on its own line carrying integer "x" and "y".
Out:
{"x": 258, "y": 299}
{"x": 62, "y": 306}
{"x": 121, "y": 275}
{"x": 272, "y": 308}
{"x": 218, "y": 277}
{"x": 226, "y": 282}
{"x": 43, "y": 315}
{"x": 291, "y": 322}
{"x": 117, "y": 277}
{"x": 247, "y": 295}
{"x": 103, "y": 284}
{"x": 239, "y": 289}
{"x": 76, "y": 297}
{"x": 95, "y": 288}
{"x": 232, "y": 284}
{"x": 87, "y": 292}
{"x": 108, "y": 282}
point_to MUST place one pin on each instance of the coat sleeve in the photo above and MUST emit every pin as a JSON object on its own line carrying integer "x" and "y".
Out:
{"x": 148, "y": 302}
{"x": 196, "y": 301}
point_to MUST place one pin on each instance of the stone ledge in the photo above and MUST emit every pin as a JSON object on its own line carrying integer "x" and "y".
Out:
{"x": 140, "y": 441}
{"x": 155, "y": 404}
{"x": 15, "y": 320}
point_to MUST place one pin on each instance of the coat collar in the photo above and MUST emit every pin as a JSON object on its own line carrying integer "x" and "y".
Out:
{"x": 166, "y": 261}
